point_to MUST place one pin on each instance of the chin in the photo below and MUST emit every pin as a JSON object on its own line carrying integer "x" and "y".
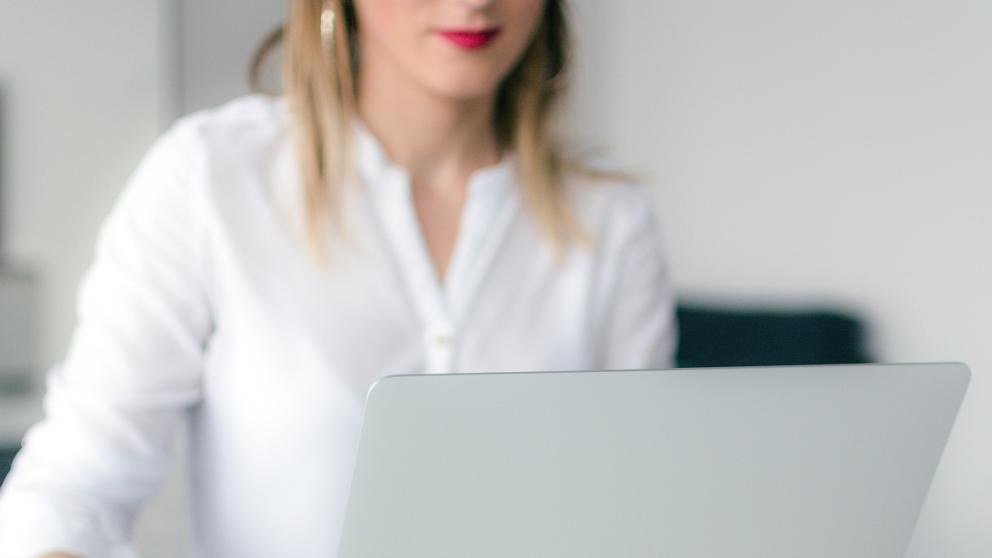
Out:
{"x": 467, "y": 93}
{"x": 466, "y": 86}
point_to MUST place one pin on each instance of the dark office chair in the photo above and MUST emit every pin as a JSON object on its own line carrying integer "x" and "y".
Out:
{"x": 6, "y": 458}
{"x": 721, "y": 336}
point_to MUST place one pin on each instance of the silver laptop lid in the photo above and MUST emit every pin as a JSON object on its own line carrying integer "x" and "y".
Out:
{"x": 778, "y": 462}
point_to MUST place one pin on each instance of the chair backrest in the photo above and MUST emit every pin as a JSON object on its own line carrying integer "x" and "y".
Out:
{"x": 723, "y": 336}
{"x": 6, "y": 458}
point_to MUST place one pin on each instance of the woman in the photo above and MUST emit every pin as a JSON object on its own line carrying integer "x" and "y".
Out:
{"x": 402, "y": 208}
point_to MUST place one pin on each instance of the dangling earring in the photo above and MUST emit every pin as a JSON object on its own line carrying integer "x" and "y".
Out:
{"x": 327, "y": 27}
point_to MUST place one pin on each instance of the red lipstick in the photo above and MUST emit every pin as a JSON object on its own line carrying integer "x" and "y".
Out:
{"x": 470, "y": 39}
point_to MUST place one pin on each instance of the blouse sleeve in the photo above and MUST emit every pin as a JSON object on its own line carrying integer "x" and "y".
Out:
{"x": 641, "y": 331}
{"x": 132, "y": 370}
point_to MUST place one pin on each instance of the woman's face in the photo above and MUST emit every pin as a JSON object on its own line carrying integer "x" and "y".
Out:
{"x": 461, "y": 49}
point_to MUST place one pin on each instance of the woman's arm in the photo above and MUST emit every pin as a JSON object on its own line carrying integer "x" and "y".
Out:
{"x": 132, "y": 371}
{"x": 641, "y": 331}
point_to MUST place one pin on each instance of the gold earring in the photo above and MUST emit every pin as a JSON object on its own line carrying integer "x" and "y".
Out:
{"x": 327, "y": 26}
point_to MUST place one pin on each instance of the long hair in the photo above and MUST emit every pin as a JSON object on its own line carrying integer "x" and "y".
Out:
{"x": 320, "y": 83}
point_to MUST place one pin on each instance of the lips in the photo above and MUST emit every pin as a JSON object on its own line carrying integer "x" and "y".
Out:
{"x": 469, "y": 39}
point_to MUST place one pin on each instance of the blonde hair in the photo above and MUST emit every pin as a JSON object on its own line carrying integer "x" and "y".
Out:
{"x": 320, "y": 83}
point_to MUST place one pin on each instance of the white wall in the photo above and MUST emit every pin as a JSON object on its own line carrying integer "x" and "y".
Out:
{"x": 812, "y": 151}
{"x": 84, "y": 97}
{"x": 216, "y": 39}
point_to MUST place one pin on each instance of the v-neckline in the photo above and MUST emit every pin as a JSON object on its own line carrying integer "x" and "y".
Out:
{"x": 489, "y": 202}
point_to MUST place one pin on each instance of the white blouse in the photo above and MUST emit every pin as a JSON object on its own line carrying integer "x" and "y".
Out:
{"x": 204, "y": 309}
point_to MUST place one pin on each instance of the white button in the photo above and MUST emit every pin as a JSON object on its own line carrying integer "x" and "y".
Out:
{"x": 442, "y": 339}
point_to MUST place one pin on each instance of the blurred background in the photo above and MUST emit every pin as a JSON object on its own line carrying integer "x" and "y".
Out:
{"x": 823, "y": 171}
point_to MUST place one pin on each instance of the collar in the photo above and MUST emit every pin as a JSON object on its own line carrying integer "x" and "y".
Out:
{"x": 378, "y": 172}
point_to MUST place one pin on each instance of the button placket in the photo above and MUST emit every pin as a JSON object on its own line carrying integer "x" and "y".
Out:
{"x": 439, "y": 347}
{"x": 427, "y": 291}
{"x": 440, "y": 306}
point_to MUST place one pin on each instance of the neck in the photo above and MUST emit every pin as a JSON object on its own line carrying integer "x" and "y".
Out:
{"x": 428, "y": 135}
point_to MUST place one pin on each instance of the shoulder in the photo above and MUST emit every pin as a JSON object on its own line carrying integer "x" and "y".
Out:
{"x": 250, "y": 121}
{"x": 221, "y": 153}
{"x": 609, "y": 202}
{"x": 208, "y": 158}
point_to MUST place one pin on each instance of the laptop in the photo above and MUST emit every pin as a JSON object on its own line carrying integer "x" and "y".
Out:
{"x": 763, "y": 462}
